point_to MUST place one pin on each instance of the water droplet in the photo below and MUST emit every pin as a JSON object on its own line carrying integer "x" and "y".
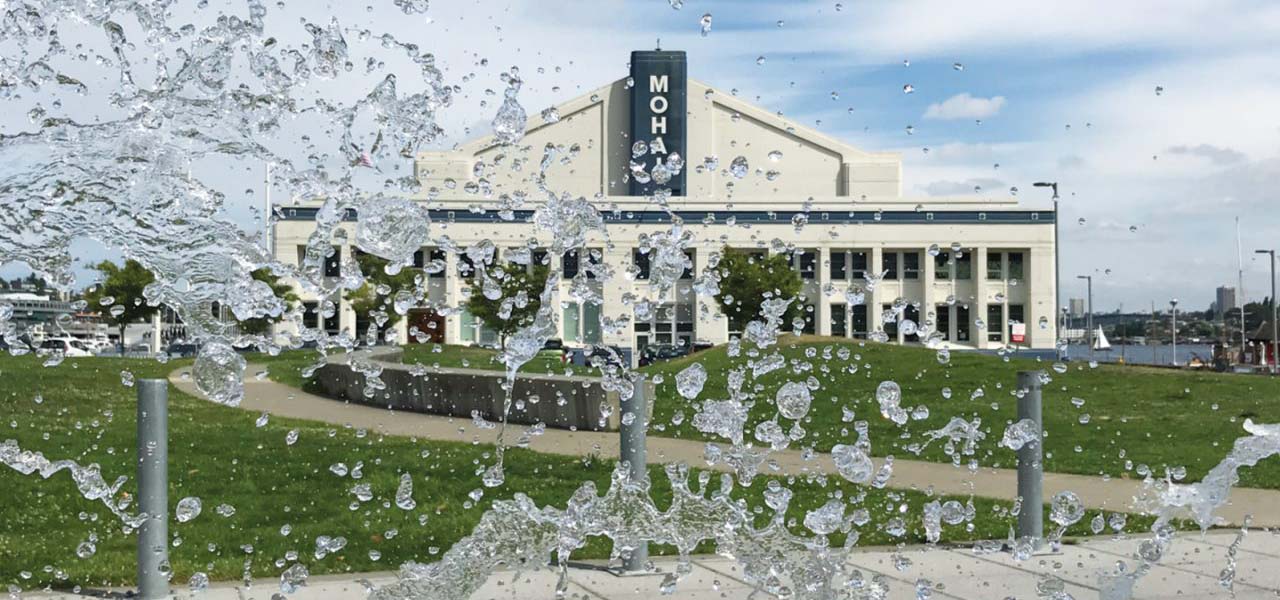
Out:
{"x": 188, "y": 509}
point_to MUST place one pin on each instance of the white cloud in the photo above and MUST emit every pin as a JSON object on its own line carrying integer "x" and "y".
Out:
{"x": 965, "y": 106}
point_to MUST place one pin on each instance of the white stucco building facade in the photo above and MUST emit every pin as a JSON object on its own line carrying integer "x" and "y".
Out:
{"x": 837, "y": 210}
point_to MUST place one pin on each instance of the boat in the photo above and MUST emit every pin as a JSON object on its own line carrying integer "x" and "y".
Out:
{"x": 1100, "y": 340}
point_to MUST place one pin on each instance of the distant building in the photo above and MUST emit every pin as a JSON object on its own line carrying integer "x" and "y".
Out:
{"x": 996, "y": 286}
{"x": 1077, "y": 307}
{"x": 1225, "y": 301}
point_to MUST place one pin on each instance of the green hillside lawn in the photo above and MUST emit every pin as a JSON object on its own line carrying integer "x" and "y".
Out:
{"x": 82, "y": 410}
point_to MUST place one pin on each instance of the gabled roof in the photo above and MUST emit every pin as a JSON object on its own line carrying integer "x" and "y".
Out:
{"x": 696, "y": 89}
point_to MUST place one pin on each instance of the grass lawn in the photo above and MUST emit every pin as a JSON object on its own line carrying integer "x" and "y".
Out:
{"x": 1133, "y": 415}
{"x": 81, "y": 410}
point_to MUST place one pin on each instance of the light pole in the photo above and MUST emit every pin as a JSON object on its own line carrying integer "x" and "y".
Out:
{"x": 1057, "y": 277}
{"x": 1173, "y": 304}
{"x": 1089, "y": 319}
{"x": 1275, "y": 343}
{"x": 1063, "y": 325}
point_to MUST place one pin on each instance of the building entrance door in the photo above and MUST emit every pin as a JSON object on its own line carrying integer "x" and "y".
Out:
{"x": 429, "y": 326}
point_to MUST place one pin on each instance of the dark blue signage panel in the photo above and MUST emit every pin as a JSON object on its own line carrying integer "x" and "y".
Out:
{"x": 658, "y": 113}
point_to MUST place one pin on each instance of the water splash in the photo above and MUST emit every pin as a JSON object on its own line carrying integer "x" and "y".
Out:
{"x": 88, "y": 479}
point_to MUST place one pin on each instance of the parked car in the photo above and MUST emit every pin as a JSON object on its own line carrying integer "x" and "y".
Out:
{"x": 553, "y": 348}
{"x": 659, "y": 352}
{"x": 69, "y": 347}
{"x": 183, "y": 348}
{"x": 611, "y": 355}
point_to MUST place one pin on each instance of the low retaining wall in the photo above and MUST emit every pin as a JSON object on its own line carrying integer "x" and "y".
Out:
{"x": 559, "y": 401}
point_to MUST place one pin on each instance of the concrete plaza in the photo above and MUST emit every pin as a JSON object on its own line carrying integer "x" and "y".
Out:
{"x": 1191, "y": 570}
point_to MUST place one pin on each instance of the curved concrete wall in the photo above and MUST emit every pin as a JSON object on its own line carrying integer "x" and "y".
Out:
{"x": 559, "y": 401}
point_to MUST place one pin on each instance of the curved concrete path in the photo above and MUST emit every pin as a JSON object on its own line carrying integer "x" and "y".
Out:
{"x": 1108, "y": 494}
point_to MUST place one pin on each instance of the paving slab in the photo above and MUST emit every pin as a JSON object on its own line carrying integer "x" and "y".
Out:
{"x": 959, "y": 573}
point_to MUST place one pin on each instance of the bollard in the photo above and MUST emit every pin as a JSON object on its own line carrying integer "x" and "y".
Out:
{"x": 153, "y": 488}
{"x": 632, "y": 450}
{"x": 1030, "y": 461}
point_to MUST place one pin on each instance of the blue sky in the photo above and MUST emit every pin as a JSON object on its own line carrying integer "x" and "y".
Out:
{"x": 1065, "y": 91}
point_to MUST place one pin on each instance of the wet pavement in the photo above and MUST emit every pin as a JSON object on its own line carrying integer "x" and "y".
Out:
{"x": 1190, "y": 570}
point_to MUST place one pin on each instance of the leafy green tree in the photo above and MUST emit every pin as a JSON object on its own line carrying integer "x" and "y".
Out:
{"x": 747, "y": 276}
{"x": 511, "y": 279}
{"x": 123, "y": 286}
{"x": 283, "y": 291}
{"x": 366, "y": 301}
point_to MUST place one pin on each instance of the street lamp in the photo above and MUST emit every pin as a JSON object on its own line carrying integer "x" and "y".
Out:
{"x": 1173, "y": 304}
{"x": 1057, "y": 291}
{"x": 1275, "y": 343}
{"x": 1089, "y": 319}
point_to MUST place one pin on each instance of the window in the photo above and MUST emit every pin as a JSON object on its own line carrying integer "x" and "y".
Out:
{"x": 333, "y": 263}
{"x": 467, "y": 327}
{"x": 848, "y": 264}
{"x": 1015, "y": 265}
{"x": 806, "y": 262}
{"x": 362, "y": 324}
{"x": 995, "y": 266}
{"x": 858, "y": 264}
{"x": 571, "y": 322}
{"x": 890, "y": 321}
{"x": 809, "y": 313}
{"x": 942, "y": 265}
{"x": 962, "y": 323}
{"x": 582, "y": 323}
{"x": 591, "y": 323}
{"x": 569, "y": 264}
{"x": 839, "y": 320}
{"x": 332, "y": 323}
{"x": 838, "y": 269}
{"x": 641, "y": 261}
{"x": 539, "y": 257}
{"x": 1015, "y": 316}
{"x": 466, "y": 266}
{"x": 858, "y": 320}
{"x": 311, "y": 315}
{"x": 944, "y": 321}
{"x": 889, "y": 264}
{"x": 995, "y": 322}
{"x": 431, "y": 260}
{"x": 911, "y": 314}
{"x": 910, "y": 265}
{"x": 964, "y": 266}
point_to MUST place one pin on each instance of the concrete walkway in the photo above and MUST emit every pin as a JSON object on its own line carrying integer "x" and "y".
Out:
{"x": 1095, "y": 492}
{"x": 1189, "y": 571}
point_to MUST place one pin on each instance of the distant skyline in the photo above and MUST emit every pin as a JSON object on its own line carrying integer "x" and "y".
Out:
{"x": 1156, "y": 118}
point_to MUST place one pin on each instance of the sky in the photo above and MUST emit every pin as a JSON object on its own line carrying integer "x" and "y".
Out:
{"x": 1160, "y": 120}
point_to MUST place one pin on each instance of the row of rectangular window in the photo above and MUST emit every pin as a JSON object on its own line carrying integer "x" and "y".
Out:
{"x": 844, "y": 265}
{"x": 853, "y": 321}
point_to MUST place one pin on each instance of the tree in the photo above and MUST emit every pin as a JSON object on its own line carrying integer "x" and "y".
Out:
{"x": 520, "y": 288}
{"x": 122, "y": 287}
{"x": 366, "y": 302}
{"x": 283, "y": 291}
{"x": 745, "y": 277}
